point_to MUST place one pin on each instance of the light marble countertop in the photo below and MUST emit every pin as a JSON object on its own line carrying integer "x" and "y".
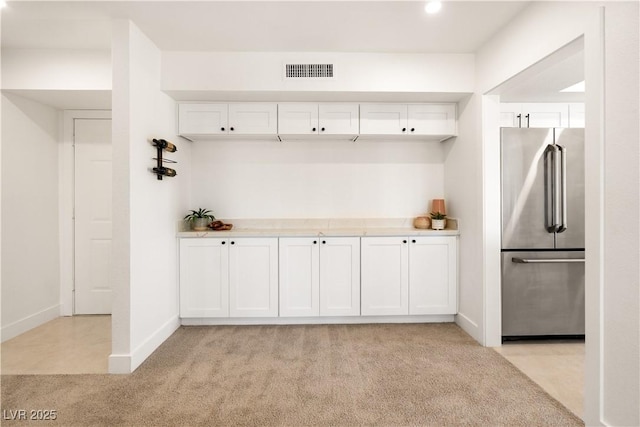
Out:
{"x": 322, "y": 227}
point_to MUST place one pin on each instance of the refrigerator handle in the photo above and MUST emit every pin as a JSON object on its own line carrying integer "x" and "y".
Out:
{"x": 518, "y": 260}
{"x": 550, "y": 189}
{"x": 563, "y": 184}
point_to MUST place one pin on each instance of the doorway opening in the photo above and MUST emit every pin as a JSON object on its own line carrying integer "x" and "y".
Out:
{"x": 547, "y": 95}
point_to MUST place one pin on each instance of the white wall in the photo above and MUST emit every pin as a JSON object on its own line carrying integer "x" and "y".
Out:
{"x": 612, "y": 285}
{"x": 463, "y": 190}
{"x": 354, "y": 72}
{"x": 145, "y": 209}
{"x": 621, "y": 288}
{"x": 316, "y": 179}
{"x": 56, "y": 69}
{"x": 30, "y": 253}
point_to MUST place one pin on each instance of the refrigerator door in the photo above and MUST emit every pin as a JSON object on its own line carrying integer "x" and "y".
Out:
{"x": 542, "y": 293}
{"x": 523, "y": 188}
{"x": 572, "y": 143}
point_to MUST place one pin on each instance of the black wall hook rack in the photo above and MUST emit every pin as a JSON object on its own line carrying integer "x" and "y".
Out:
{"x": 160, "y": 170}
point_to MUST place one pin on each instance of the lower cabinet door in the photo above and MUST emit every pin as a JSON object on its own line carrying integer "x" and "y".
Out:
{"x": 253, "y": 277}
{"x": 299, "y": 276}
{"x": 385, "y": 280}
{"x": 204, "y": 278}
{"x": 340, "y": 276}
{"x": 433, "y": 275}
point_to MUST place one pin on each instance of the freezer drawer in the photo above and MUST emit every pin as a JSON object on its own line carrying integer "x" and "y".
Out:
{"x": 542, "y": 293}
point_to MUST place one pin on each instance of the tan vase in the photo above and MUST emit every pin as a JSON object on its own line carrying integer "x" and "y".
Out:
{"x": 422, "y": 222}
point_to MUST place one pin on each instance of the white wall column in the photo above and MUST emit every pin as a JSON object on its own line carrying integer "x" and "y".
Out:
{"x": 146, "y": 210}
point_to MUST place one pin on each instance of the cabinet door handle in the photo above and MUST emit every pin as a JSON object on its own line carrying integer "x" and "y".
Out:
{"x": 313, "y": 130}
{"x": 315, "y": 242}
{"x": 404, "y": 129}
{"x": 519, "y": 117}
{"x": 527, "y": 116}
{"x": 222, "y": 129}
{"x": 322, "y": 129}
{"x": 413, "y": 241}
{"x": 413, "y": 129}
{"x": 324, "y": 242}
{"x": 224, "y": 242}
{"x": 231, "y": 129}
{"x": 404, "y": 241}
{"x": 233, "y": 243}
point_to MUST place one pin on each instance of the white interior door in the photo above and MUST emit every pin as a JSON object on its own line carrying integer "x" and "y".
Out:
{"x": 92, "y": 242}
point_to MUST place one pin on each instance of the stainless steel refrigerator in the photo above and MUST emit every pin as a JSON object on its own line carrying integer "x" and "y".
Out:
{"x": 542, "y": 232}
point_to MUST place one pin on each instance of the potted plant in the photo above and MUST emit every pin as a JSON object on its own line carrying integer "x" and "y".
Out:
{"x": 438, "y": 220}
{"x": 199, "y": 219}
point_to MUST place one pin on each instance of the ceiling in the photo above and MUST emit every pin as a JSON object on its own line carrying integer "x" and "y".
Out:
{"x": 295, "y": 26}
{"x": 391, "y": 26}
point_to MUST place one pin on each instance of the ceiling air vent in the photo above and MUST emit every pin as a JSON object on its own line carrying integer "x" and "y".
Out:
{"x": 308, "y": 71}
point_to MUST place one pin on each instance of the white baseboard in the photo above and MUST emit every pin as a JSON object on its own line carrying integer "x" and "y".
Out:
{"x": 127, "y": 363}
{"x": 470, "y": 327}
{"x": 21, "y": 326}
{"x": 316, "y": 320}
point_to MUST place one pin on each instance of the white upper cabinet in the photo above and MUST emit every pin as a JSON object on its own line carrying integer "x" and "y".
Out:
{"x": 534, "y": 115}
{"x": 438, "y": 120}
{"x": 253, "y": 118}
{"x": 383, "y": 119}
{"x": 297, "y": 118}
{"x": 431, "y": 119}
{"x": 203, "y": 119}
{"x": 243, "y": 118}
{"x": 338, "y": 119}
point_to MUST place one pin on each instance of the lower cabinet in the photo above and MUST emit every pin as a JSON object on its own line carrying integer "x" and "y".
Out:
{"x": 229, "y": 277}
{"x": 409, "y": 275}
{"x": 204, "y": 278}
{"x": 319, "y": 276}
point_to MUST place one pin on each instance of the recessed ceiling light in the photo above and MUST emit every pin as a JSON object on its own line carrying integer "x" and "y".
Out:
{"x": 578, "y": 87}
{"x": 433, "y": 7}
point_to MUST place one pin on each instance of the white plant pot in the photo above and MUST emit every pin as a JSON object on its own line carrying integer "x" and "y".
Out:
{"x": 200, "y": 224}
{"x": 438, "y": 224}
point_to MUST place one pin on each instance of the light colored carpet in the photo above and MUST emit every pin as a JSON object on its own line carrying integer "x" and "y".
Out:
{"x": 324, "y": 375}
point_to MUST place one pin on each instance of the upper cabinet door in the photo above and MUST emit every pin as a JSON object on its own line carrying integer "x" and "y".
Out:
{"x": 253, "y": 118}
{"x": 383, "y": 119}
{"x": 538, "y": 115}
{"x": 298, "y": 118}
{"x": 202, "y": 119}
{"x": 431, "y": 119}
{"x": 339, "y": 119}
{"x": 510, "y": 115}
